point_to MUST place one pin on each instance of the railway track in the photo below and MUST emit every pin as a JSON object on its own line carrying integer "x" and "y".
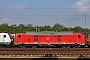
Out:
{"x": 43, "y": 49}
{"x": 44, "y": 52}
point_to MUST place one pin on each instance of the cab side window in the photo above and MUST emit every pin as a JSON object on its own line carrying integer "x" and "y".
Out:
{"x": 4, "y": 36}
{"x": 79, "y": 36}
{"x": 19, "y": 36}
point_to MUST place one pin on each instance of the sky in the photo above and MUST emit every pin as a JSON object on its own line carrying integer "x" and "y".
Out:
{"x": 69, "y": 13}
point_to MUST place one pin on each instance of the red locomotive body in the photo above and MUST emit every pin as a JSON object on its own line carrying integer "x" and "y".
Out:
{"x": 50, "y": 39}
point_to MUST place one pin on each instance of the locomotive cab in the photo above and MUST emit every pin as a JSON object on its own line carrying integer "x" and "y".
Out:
{"x": 5, "y": 39}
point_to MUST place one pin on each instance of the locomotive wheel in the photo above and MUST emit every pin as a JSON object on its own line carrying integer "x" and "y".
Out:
{"x": 76, "y": 46}
{"x": 22, "y": 46}
{"x": 69, "y": 46}
{"x": 63, "y": 46}
{"x": 3, "y": 45}
{"x": 34, "y": 46}
{"x": 81, "y": 46}
{"x": 89, "y": 46}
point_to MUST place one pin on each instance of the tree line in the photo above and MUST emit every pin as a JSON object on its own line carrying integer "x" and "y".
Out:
{"x": 29, "y": 27}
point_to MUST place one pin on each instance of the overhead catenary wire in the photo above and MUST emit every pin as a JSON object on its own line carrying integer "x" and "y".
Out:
{"x": 46, "y": 8}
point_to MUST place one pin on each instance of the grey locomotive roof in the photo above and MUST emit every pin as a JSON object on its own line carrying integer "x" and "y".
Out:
{"x": 50, "y": 32}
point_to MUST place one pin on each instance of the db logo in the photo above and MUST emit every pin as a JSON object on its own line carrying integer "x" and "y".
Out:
{"x": 47, "y": 38}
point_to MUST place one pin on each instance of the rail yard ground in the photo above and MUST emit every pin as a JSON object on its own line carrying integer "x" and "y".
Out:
{"x": 45, "y": 53}
{"x": 44, "y": 58}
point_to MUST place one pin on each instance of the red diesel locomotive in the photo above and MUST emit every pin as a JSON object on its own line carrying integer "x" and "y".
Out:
{"x": 50, "y": 39}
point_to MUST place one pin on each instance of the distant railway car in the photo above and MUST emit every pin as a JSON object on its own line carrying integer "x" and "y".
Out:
{"x": 55, "y": 39}
{"x": 88, "y": 41}
{"x": 5, "y": 39}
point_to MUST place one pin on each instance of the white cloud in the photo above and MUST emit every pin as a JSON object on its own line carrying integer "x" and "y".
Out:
{"x": 39, "y": 7}
{"x": 39, "y": 18}
{"x": 58, "y": 8}
{"x": 5, "y": 20}
{"x": 17, "y": 7}
{"x": 21, "y": 6}
{"x": 82, "y": 5}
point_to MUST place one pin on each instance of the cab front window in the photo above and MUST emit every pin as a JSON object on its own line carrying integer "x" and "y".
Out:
{"x": 10, "y": 36}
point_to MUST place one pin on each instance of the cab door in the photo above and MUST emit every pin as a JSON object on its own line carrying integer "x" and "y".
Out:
{"x": 0, "y": 38}
{"x": 59, "y": 39}
{"x": 4, "y": 38}
{"x": 36, "y": 38}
